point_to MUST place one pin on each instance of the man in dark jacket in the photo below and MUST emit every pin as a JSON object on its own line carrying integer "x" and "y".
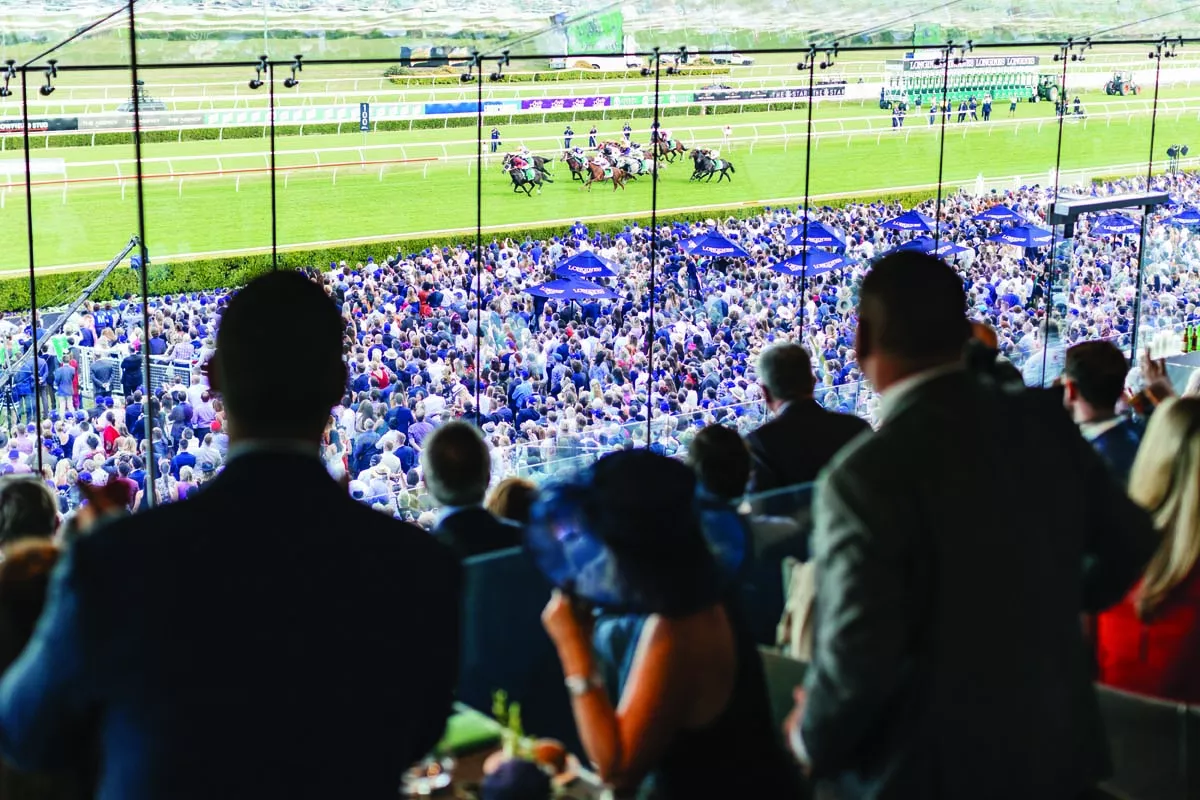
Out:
{"x": 802, "y": 438}
{"x": 457, "y": 470}
{"x": 1093, "y": 381}
{"x": 949, "y": 660}
{"x": 131, "y": 373}
{"x": 103, "y": 369}
{"x": 292, "y": 609}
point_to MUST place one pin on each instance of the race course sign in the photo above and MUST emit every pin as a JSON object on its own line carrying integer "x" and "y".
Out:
{"x": 832, "y": 90}
{"x": 564, "y": 103}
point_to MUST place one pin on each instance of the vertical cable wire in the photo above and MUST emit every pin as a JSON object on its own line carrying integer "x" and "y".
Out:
{"x": 1065, "y": 52}
{"x": 271, "y": 118}
{"x": 33, "y": 306}
{"x": 478, "y": 232}
{"x": 149, "y": 411}
{"x": 653, "y": 260}
{"x": 1141, "y": 268}
{"x": 947, "y": 54}
{"x": 808, "y": 141}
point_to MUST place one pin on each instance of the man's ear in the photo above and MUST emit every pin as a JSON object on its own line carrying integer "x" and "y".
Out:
{"x": 212, "y": 371}
{"x": 862, "y": 340}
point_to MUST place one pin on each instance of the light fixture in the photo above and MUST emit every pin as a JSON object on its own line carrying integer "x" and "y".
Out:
{"x": 810, "y": 59}
{"x": 962, "y": 52}
{"x": 1166, "y": 48}
{"x": 830, "y": 55}
{"x": 259, "y": 69}
{"x": 10, "y": 72}
{"x": 501, "y": 62}
{"x": 646, "y": 71}
{"x": 474, "y": 62}
{"x": 297, "y": 66}
{"x": 51, "y": 72}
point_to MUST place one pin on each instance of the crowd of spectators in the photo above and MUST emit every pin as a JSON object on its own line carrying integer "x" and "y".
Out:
{"x": 644, "y": 565}
{"x": 553, "y": 384}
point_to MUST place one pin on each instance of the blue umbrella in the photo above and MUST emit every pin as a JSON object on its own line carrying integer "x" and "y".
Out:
{"x": 910, "y": 221}
{"x": 1023, "y": 236}
{"x": 818, "y": 235}
{"x": 714, "y": 244}
{"x": 925, "y": 244}
{"x": 571, "y": 290}
{"x": 1115, "y": 225}
{"x": 1000, "y": 213}
{"x": 586, "y": 264}
{"x": 1189, "y": 216}
{"x": 810, "y": 263}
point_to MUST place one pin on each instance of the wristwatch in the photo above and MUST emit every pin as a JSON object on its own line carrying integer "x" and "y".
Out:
{"x": 578, "y": 685}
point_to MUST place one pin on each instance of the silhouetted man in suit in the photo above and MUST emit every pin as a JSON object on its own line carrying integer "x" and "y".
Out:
{"x": 948, "y": 659}
{"x": 457, "y": 469}
{"x": 794, "y": 446}
{"x": 269, "y": 637}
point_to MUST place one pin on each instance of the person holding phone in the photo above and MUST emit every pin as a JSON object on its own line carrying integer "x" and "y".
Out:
{"x": 693, "y": 717}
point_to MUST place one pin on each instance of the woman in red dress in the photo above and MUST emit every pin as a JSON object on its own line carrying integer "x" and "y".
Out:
{"x": 1150, "y": 642}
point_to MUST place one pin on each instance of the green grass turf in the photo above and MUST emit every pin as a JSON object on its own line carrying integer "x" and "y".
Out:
{"x": 209, "y": 215}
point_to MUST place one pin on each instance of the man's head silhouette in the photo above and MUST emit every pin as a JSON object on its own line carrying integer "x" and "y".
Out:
{"x": 289, "y": 395}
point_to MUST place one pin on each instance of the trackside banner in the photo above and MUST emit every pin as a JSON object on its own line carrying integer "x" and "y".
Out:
{"x": 718, "y": 95}
{"x": 10, "y": 126}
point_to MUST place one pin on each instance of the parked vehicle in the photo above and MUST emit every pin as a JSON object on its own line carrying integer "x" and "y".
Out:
{"x": 732, "y": 59}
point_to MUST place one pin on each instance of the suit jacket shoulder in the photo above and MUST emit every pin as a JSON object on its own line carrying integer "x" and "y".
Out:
{"x": 475, "y": 531}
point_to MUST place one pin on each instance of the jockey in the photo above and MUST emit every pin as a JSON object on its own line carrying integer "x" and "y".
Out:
{"x": 519, "y": 161}
{"x": 664, "y": 135}
{"x": 577, "y": 151}
{"x": 524, "y": 152}
{"x": 602, "y": 161}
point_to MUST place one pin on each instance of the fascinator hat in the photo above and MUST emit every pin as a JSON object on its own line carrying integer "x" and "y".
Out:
{"x": 625, "y": 535}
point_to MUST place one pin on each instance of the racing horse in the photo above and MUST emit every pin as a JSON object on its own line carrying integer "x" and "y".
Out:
{"x": 707, "y": 166}
{"x": 596, "y": 173}
{"x": 537, "y": 162}
{"x": 670, "y": 150}
{"x": 577, "y": 165}
{"x": 528, "y": 178}
{"x": 639, "y": 167}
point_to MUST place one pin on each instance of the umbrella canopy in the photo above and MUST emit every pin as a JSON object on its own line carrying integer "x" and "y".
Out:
{"x": 1115, "y": 225}
{"x": 1189, "y": 216}
{"x": 714, "y": 245}
{"x": 1000, "y": 213}
{"x": 926, "y": 244}
{"x": 571, "y": 290}
{"x": 810, "y": 263}
{"x": 910, "y": 221}
{"x": 818, "y": 235}
{"x": 586, "y": 264}
{"x": 1023, "y": 236}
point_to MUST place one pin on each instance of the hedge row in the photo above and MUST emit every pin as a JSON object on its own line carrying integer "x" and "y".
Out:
{"x": 260, "y": 131}
{"x": 219, "y": 273}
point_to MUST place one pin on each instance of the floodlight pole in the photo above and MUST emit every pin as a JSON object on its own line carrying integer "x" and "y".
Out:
{"x": 653, "y": 258}
{"x": 947, "y": 53}
{"x": 149, "y": 409}
{"x": 812, "y": 63}
{"x": 1157, "y": 55}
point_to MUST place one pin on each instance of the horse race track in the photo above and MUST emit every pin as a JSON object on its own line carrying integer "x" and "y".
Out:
{"x": 424, "y": 181}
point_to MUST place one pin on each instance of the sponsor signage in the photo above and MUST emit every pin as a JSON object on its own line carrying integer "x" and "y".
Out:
{"x": 150, "y": 119}
{"x": 564, "y": 103}
{"x": 832, "y": 90}
{"x": 40, "y": 125}
{"x": 974, "y": 62}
